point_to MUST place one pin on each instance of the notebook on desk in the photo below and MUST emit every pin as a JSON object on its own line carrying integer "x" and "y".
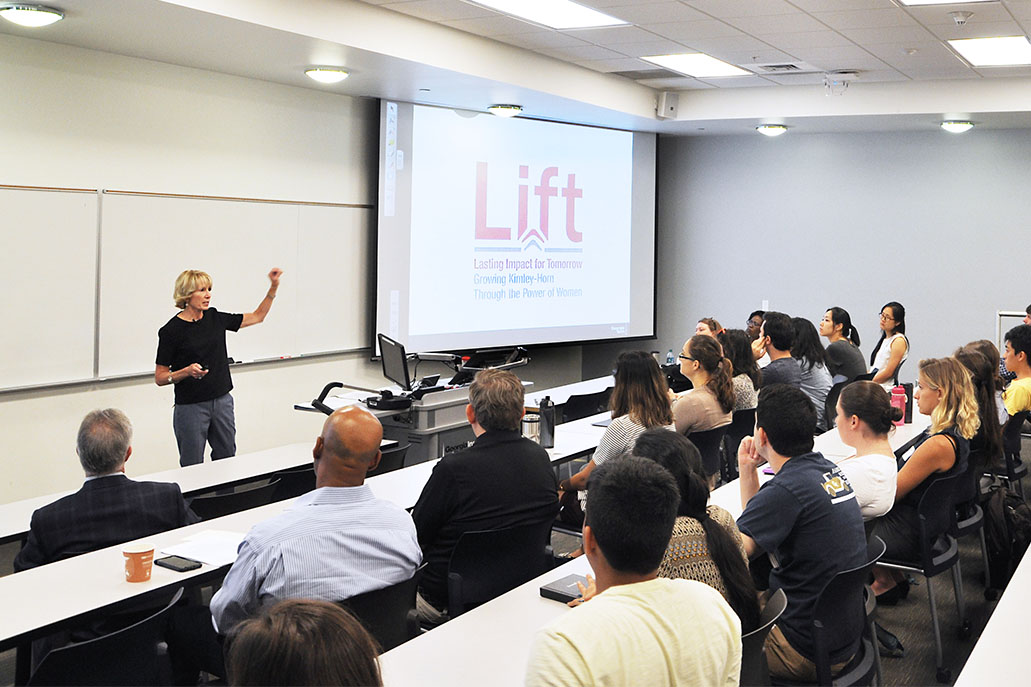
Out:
{"x": 602, "y": 423}
{"x": 564, "y": 589}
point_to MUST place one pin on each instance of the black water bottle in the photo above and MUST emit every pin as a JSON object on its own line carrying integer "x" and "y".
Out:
{"x": 547, "y": 411}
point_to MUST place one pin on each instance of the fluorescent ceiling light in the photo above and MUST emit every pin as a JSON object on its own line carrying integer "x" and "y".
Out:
{"x": 505, "y": 110}
{"x": 558, "y": 14}
{"x": 696, "y": 64}
{"x": 32, "y": 16}
{"x": 994, "y": 52}
{"x": 956, "y": 127}
{"x": 941, "y": 2}
{"x": 326, "y": 74}
{"x": 771, "y": 130}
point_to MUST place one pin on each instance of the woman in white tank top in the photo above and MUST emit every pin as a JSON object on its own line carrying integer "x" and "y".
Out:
{"x": 893, "y": 348}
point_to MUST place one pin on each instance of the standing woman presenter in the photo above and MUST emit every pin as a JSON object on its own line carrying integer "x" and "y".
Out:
{"x": 192, "y": 355}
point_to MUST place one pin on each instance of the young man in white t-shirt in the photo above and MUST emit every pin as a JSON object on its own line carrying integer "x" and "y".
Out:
{"x": 633, "y": 628}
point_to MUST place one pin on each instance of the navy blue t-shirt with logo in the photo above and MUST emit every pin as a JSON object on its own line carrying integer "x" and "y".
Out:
{"x": 807, "y": 518}
{"x": 182, "y": 343}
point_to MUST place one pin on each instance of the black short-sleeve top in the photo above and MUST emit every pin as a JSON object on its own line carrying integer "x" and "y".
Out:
{"x": 182, "y": 343}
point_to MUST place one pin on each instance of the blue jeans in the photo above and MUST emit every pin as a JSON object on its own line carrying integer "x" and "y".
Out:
{"x": 197, "y": 424}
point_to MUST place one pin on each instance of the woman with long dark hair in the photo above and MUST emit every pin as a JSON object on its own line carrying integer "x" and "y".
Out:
{"x": 844, "y": 359}
{"x": 639, "y": 401}
{"x": 987, "y": 443}
{"x": 710, "y": 403}
{"x": 892, "y": 348}
{"x": 706, "y": 544}
{"x": 812, "y": 362}
{"x": 747, "y": 377}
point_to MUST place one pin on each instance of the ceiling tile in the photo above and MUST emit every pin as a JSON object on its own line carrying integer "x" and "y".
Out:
{"x": 623, "y": 64}
{"x": 739, "y": 82}
{"x": 796, "y": 79}
{"x": 606, "y": 4}
{"x": 742, "y": 8}
{"x": 717, "y": 47}
{"x": 542, "y": 39}
{"x": 880, "y": 76}
{"x": 659, "y": 47}
{"x": 584, "y": 52}
{"x": 496, "y": 25}
{"x": 889, "y": 34}
{"x": 671, "y": 84}
{"x": 684, "y": 31}
{"x": 439, "y": 10}
{"x": 997, "y": 72}
{"x": 926, "y": 55}
{"x": 940, "y": 71}
{"x": 806, "y": 39}
{"x": 839, "y": 58}
{"x": 939, "y": 14}
{"x": 613, "y": 35}
{"x": 780, "y": 23}
{"x": 868, "y": 19}
{"x": 767, "y": 56}
{"x": 655, "y": 13}
{"x": 841, "y": 5}
{"x": 1004, "y": 28}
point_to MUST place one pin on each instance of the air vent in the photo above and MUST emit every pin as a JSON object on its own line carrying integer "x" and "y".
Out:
{"x": 782, "y": 68}
{"x": 650, "y": 74}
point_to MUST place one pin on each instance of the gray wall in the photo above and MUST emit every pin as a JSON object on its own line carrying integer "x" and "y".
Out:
{"x": 855, "y": 220}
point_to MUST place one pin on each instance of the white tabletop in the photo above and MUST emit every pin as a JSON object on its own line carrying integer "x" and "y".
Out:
{"x": 833, "y": 448}
{"x": 15, "y": 516}
{"x": 561, "y": 394}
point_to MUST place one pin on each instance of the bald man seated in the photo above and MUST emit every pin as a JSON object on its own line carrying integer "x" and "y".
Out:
{"x": 331, "y": 544}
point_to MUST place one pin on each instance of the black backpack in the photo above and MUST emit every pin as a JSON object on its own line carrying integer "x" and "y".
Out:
{"x": 1008, "y": 533}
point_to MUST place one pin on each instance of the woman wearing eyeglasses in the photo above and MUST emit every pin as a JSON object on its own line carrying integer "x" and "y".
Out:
{"x": 892, "y": 348}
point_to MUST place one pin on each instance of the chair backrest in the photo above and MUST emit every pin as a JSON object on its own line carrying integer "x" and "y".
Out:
{"x": 937, "y": 515}
{"x": 1011, "y": 433}
{"x": 968, "y": 489}
{"x": 830, "y": 406}
{"x": 754, "y": 669}
{"x": 389, "y": 613}
{"x": 293, "y": 483}
{"x": 488, "y": 563}
{"x": 126, "y": 657}
{"x": 584, "y": 405}
{"x": 839, "y": 616}
{"x": 708, "y": 444}
{"x": 741, "y": 425}
{"x": 866, "y": 376}
{"x": 209, "y": 506}
{"x": 392, "y": 459}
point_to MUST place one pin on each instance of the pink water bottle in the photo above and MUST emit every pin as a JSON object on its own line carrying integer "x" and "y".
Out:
{"x": 898, "y": 399}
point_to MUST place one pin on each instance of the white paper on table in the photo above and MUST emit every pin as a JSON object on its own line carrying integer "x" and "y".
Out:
{"x": 211, "y": 547}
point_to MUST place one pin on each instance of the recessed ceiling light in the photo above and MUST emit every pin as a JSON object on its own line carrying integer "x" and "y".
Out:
{"x": 994, "y": 52}
{"x": 696, "y": 64}
{"x": 941, "y": 2}
{"x": 557, "y": 14}
{"x": 326, "y": 74}
{"x": 32, "y": 16}
{"x": 505, "y": 110}
{"x": 956, "y": 127}
{"x": 771, "y": 130}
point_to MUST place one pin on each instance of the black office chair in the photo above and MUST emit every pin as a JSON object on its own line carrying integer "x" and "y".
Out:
{"x": 130, "y": 656}
{"x": 741, "y": 425}
{"x": 970, "y": 515}
{"x": 389, "y": 613}
{"x": 708, "y": 444}
{"x": 580, "y": 406}
{"x": 830, "y": 406}
{"x": 487, "y": 563}
{"x": 392, "y": 459}
{"x": 754, "y": 670}
{"x": 293, "y": 483}
{"x": 939, "y": 552}
{"x": 210, "y": 506}
{"x": 1015, "y": 469}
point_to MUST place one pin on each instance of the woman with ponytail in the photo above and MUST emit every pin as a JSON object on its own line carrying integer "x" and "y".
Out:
{"x": 865, "y": 417}
{"x": 944, "y": 392}
{"x": 812, "y": 362}
{"x": 844, "y": 359}
{"x": 706, "y": 544}
{"x": 711, "y": 402}
{"x": 987, "y": 443}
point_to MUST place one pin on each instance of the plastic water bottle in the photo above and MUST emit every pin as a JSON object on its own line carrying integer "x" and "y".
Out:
{"x": 898, "y": 399}
{"x": 669, "y": 357}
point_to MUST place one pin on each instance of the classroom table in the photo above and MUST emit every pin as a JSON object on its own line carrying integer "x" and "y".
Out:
{"x": 192, "y": 479}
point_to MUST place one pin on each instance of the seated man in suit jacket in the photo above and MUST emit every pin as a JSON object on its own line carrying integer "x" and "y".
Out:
{"x": 110, "y": 508}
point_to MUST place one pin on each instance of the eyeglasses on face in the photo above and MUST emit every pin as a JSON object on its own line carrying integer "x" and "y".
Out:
{"x": 685, "y": 357}
{"x": 885, "y": 318}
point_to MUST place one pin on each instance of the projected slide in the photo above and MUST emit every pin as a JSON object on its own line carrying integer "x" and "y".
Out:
{"x": 504, "y": 232}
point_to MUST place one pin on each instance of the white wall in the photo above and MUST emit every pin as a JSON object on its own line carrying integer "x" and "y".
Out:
{"x": 935, "y": 221}
{"x": 80, "y": 118}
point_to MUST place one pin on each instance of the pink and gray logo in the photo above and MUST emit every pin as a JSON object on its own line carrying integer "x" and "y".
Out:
{"x": 544, "y": 191}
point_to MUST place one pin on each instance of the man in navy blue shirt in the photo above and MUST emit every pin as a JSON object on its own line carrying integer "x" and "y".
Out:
{"x": 806, "y": 518}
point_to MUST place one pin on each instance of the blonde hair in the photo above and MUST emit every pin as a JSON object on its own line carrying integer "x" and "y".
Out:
{"x": 188, "y": 282}
{"x": 958, "y": 405}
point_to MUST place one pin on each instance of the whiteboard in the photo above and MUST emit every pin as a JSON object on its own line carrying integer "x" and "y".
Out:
{"x": 146, "y": 241}
{"x": 49, "y": 266}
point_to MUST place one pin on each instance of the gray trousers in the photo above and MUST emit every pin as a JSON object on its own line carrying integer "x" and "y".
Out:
{"x": 208, "y": 422}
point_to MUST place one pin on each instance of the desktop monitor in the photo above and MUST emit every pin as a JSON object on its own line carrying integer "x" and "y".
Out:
{"x": 395, "y": 362}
